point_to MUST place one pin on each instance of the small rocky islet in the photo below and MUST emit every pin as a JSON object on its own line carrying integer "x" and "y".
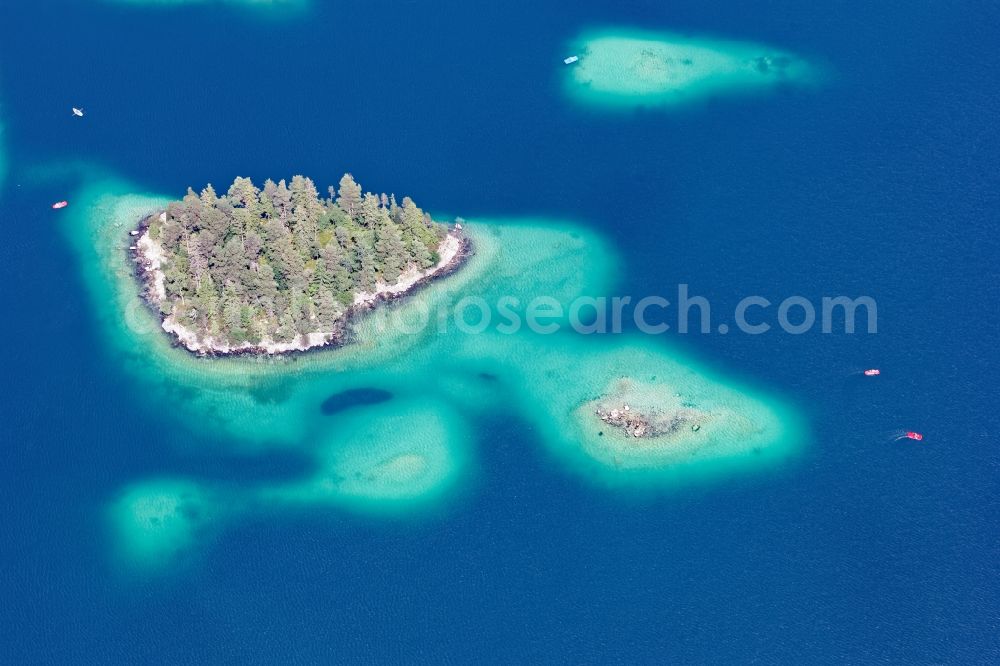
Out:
{"x": 644, "y": 411}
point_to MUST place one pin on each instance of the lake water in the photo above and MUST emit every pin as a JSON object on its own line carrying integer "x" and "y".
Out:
{"x": 882, "y": 181}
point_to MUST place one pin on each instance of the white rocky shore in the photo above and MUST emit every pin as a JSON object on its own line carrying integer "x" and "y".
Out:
{"x": 149, "y": 256}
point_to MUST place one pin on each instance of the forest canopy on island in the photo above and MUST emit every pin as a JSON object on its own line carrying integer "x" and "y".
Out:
{"x": 282, "y": 261}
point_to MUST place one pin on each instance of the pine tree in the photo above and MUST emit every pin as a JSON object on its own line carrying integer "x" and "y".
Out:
{"x": 319, "y": 280}
{"x": 303, "y": 314}
{"x": 266, "y": 199}
{"x": 421, "y": 255}
{"x": 328, "y": 309}
{"x": 281, "y": 199}
{"x": 390, "y": 251}
{"x": 335, "y": 266}
{"x": 244, "y": 199}
{"x": 367, "y": 273}
{"x": 230, "y": 261}
{"x": 371, "y": 211}
{"x": 349, "y": 196}
{"x": 232, "y": 315}
{"x": 198, "y": 252}
{"x": 204, "y": 306}
{"x": 305, "y": 214}
{"x": 286, "y": 327}
{"x": 208, "y": 196}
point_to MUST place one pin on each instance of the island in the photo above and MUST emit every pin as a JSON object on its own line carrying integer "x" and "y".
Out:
{"x": 282, "y": 269}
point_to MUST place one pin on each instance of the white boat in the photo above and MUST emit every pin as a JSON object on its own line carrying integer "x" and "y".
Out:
{"x": 77, "y": 112}
{"x": 570, "y": 60}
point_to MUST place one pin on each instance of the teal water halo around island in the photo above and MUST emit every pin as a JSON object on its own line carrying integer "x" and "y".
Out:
{"x": 627, "y": 68}
{"x": 413, "y": 448}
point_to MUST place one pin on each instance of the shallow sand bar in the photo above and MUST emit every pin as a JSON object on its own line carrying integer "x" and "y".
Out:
{"x": 633, "y": 68}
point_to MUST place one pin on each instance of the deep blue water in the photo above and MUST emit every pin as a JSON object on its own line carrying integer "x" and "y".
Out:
{"x": 882, "y": 182}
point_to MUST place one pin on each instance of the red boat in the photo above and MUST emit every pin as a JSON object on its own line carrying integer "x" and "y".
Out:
{"x": 914, "y": 435}
{"x": 872, "y": 372}
{"x": 60, "y": 204}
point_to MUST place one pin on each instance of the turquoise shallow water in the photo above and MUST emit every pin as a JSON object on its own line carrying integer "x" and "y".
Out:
{"x": 285, "y": 542}
{"x": 400, "y": 454}
{"x": 628, "y": 68}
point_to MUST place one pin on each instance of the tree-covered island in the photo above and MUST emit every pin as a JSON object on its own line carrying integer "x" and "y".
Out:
{"x": 280, "y": 268}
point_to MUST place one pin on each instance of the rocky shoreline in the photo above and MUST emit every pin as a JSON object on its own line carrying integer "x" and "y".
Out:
{"x": 454, "y": 250}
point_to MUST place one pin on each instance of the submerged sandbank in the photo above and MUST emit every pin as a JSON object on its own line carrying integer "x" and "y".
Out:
{"x": 627, "y": 68}
{"x": 384, "y": 456}
{"x": 155, "y": 523}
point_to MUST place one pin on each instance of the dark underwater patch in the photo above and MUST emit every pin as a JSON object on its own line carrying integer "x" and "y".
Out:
{"x": 338, "y": 402}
